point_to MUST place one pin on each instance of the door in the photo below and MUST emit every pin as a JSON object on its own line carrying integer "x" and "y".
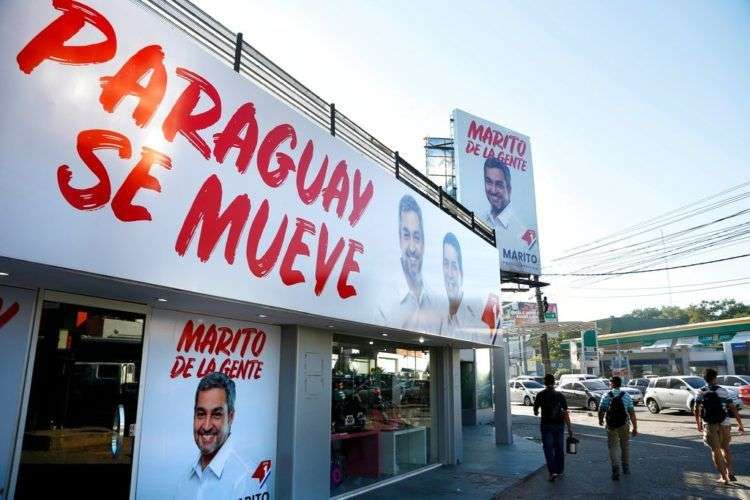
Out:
{"x": 468, "y": 393}
{"x": 678, "y": 393}
{"x": 78, "y": 436}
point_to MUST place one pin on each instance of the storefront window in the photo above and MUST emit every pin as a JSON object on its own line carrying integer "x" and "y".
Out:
{"x": 381, "y": 411}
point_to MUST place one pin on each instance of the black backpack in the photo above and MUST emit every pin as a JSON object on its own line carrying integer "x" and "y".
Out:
{"x": 712, "y": 408}
{"x": 616, "y": 415}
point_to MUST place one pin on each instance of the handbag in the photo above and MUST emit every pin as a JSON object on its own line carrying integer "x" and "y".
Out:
{"x": 571, "y": 445}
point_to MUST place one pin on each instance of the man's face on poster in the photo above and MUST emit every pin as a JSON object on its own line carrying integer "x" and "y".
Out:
{"x": 411, "y": 240}
{"x": 453, "y": 275}
{"x": 497, "y": 189}
{"x": 212, "y": 420}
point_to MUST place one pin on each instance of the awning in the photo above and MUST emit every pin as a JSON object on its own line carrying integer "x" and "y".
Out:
{"x": 659, "y": 344}
{"x": 687, "y": 341}
{"x": 741, "y": 337}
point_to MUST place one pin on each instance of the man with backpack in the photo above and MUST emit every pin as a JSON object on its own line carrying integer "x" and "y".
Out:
{"x": 711, "y": 409}
{"x": 554, "y": 416}
{"x": 618, "y": 410}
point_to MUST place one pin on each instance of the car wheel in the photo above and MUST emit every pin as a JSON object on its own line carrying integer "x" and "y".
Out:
{"x": 653, "y": 406}
{"x": 527, "y": 401}
{"x": 592, "y": 405}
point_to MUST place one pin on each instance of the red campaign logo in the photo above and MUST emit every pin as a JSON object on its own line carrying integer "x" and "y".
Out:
{"x": 262, "y": 472}
{"x": 529, "y": 237}
{"x": 489, "y": 316}
{"x": 8, "y": 315}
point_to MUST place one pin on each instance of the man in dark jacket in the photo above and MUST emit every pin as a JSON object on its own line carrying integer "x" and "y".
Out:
{"x": 554, "y": 418}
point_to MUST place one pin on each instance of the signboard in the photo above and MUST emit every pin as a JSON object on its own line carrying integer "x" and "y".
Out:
{"x": 16, "y": 313}
{"x": 526, "y": 313}
{"x": 495, "y": 179}
{"x": 590, "y": 356}
{"x": 150, "y": 160}
{"x": 179, "y": 423}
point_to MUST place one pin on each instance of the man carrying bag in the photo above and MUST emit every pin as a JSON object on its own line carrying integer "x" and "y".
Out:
{"x": 617, "y": 407}
{"x": 554, "y": 417}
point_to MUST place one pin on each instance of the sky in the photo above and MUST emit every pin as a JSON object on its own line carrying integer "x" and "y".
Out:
{"x": 633, "y": 109}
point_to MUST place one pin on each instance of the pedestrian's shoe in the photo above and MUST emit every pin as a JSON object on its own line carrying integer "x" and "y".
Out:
{"x": 615, "y": 473}
{"x": 626, "y": 469}
{"x": 732, "y": 477}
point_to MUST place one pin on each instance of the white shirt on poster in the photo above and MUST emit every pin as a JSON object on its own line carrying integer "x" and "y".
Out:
{"x": 507, "y": 226}
{"x": 412, "y": 312}
{"x": 226, "y": 477}
{"x": 464, "y": 318}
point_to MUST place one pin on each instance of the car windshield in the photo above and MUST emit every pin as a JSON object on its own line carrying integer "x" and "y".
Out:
{"x": 532, "y": 385}
{"x": 695, "y": 382}
{"x": 744, "y": 378}
{"x": 595, "y": 385}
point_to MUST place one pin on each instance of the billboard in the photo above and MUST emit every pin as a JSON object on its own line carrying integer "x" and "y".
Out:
{"x": 16, "y": 314}
{"x": 129, "y": 151}
{"x": 525, "y": 313}
{"x": 182, "y": 427}
{"x": 495, "y": 179}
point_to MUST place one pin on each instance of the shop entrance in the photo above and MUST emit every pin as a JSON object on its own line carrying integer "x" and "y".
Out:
{"x": 79, "y": 430}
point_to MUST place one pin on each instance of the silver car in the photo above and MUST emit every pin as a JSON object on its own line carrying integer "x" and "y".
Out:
{"x": 678, "y": 393}
{"x": 524, "y": 391}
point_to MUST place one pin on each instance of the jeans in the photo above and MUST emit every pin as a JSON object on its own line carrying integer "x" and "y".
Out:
{"x": 553, "y": 442}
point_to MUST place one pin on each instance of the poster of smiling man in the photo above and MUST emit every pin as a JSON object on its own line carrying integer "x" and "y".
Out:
{"x": 495, "y": 179}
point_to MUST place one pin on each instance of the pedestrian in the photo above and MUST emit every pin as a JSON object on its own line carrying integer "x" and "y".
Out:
{"x": 618, "y": 410}
{"x": 554, "y": 419}
{"x": 712, "y": 408}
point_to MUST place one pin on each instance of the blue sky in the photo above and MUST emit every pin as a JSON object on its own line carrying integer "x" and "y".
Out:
{"x": 633, "y": 108}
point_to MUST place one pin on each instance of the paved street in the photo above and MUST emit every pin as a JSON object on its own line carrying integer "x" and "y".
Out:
{"x": 668, "y": 460}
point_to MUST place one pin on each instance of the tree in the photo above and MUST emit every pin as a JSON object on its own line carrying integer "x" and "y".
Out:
{"x": 712, "y": 310}
{"x": 663, "y": 312}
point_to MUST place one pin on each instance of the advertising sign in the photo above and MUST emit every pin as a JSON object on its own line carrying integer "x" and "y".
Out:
{"x": 589, "y": 345}
{"x": 151, "y": 160}
{"x": 16, "y": 313}
{"x": 190, "y": 415}
{"x": 526, "y": 313}
{"x": 495, "y": 179}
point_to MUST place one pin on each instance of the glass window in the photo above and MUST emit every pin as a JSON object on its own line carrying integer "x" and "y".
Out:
{"x": 567, "y": 386}
{"x": 662, "y": 383}
{"x": 744, "y": 380}
{"x": 381, "y": 411}
{"x": 595, "y": 385}
{"x": 695, "y": 382}
{"x": 676, "y": 383}
{"x": 579, "y": 387}
{"x": 533, "y": 385}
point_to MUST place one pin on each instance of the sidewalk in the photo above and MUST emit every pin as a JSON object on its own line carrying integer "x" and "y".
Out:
{"x": 486, "y": 470}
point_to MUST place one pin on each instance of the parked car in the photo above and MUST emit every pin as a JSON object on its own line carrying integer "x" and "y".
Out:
{"x": 524, "y": 391}
{"x": 634, "y": 393}
{"x": 739, "y": 383}
{"x": 678, "y": 393}
{"x": 535, "y": 378}
{"x": 575, "y": 377}
{"x": 584, "y": 393}
{"x": 639, "y": 383}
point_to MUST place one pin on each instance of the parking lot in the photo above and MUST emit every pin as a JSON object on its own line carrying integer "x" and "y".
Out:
{"x": 668, "y": 459}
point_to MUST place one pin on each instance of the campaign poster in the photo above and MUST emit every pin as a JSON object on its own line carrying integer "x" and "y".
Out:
{"x": 208, "y": 424}
{"x": 151, "y": 160}
{"x": 16, "y": 316}
{"x": 495, "y": 179}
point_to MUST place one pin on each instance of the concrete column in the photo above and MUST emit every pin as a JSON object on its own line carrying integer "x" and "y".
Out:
{"x": 304, "y": 424}
{"x": 447, "y": 395}
{"x": 685, "y": 355}
{"x": 503, "y": 427}
{"x": 728, "y": 356}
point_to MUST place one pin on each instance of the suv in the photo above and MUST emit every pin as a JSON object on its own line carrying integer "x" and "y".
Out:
{"x": 575, "y": 377}
{"x": 639, "y": 383}
{"x": 584, "y": 394}
{"x": 677, "y": 393}
{"x": 524, "y": 391}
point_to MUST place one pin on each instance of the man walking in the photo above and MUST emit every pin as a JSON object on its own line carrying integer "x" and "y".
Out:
{"x": 617, "y": 408}
{"x": 554, "y": 416}
{"x": 711, "y": 409}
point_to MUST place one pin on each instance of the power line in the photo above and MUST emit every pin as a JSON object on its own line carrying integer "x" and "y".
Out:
{"x": 658, "y": 294}
{"x": 687, "y": 285}
{"x": 651, "y": 270}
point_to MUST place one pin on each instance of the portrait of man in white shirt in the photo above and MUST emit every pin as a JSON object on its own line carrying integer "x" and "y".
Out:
{"x": 459, "y": 314}
{"x": 415, "y": 310}
{"x": 498, "y": 189}
{"x": 218, "y": 472}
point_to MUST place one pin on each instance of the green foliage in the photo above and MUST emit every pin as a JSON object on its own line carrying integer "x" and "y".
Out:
{"x": 561, "y": 371}
{"x": 707, "y": 310}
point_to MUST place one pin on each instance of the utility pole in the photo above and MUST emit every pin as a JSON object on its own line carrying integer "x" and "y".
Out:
{"x": 543, "y": 345}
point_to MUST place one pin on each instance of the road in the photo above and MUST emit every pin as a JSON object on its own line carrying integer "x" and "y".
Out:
{"x": 668, "y": 460}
